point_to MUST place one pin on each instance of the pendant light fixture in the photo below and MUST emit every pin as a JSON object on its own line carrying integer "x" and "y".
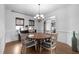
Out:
{"x": 39, "y": 16}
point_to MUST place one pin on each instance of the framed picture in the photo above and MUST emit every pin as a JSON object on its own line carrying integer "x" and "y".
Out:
{"x": 31, "y": 23}
{"x": 19, "y": 21}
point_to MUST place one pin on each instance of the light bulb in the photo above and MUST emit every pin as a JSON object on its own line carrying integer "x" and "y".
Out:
{"x": 37, "y": 15}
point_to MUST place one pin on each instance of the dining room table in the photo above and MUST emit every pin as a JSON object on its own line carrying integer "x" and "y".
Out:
{"x": 38, "y": 37}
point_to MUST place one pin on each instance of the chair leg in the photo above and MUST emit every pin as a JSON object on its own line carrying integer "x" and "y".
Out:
{"x": 55, "y": 50}
{"x": 21, "y": 50}
{"x": 51, "y": 51}
{"x": 40, "y": 49}
{"x": 25, "y": 50}
{"x": 35, "y": 47}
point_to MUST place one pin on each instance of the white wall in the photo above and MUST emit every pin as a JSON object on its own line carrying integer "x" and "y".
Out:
{"x": 11, "y": 33}
{"x": 2, "y": 28}
{"x": 67, "y": 20}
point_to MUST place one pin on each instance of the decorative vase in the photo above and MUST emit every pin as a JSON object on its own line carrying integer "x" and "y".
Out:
{"x": 74, "y": 42}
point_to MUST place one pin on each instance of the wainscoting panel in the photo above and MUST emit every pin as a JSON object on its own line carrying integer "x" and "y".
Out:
{"x": 11, "y": 36}
{"x": 64, "y": 37}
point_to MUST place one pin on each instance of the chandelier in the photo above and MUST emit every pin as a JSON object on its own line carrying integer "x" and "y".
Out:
{"x": 39, "y": 16}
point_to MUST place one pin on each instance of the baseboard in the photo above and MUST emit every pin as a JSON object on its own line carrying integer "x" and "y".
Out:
{"x": 12, "y": 41}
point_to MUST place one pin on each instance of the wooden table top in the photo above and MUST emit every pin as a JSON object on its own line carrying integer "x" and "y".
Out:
{"x": 38, "y": 36}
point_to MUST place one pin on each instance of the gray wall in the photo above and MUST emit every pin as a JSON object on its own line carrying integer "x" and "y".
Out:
{"x": 2, "y": 28}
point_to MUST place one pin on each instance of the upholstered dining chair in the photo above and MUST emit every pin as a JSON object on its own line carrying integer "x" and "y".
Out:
{"x": 50, "y": 44}
{"x": 47, "y": 32}
{"x": 26, "y": 42}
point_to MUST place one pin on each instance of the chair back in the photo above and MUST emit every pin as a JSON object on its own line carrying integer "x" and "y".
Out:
{"x": 53, "y": 38}
{"x": 23, "y": 37}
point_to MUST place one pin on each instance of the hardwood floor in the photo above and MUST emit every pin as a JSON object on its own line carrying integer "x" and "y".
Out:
{"x": 15, "y": 48}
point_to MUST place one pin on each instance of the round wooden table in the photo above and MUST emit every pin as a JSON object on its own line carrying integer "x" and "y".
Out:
{"x": 39, "y": 37}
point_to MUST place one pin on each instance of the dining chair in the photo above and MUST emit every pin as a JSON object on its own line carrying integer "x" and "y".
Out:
{"x": 48, "y": 32}
{"x": 50, "y": 44}
{"x": 26, "y": 42}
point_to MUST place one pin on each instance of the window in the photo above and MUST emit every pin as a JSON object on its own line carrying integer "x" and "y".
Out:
{"x": 31, "y": 22}
{"x": 50, "y": 24}
{"x": 19, "y": 23}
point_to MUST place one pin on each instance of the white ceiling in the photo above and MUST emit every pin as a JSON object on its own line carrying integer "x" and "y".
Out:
{"x": 33, "y": 9}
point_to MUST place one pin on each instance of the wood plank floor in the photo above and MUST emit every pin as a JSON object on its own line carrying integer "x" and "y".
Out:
{"x": 15, "y": 48}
